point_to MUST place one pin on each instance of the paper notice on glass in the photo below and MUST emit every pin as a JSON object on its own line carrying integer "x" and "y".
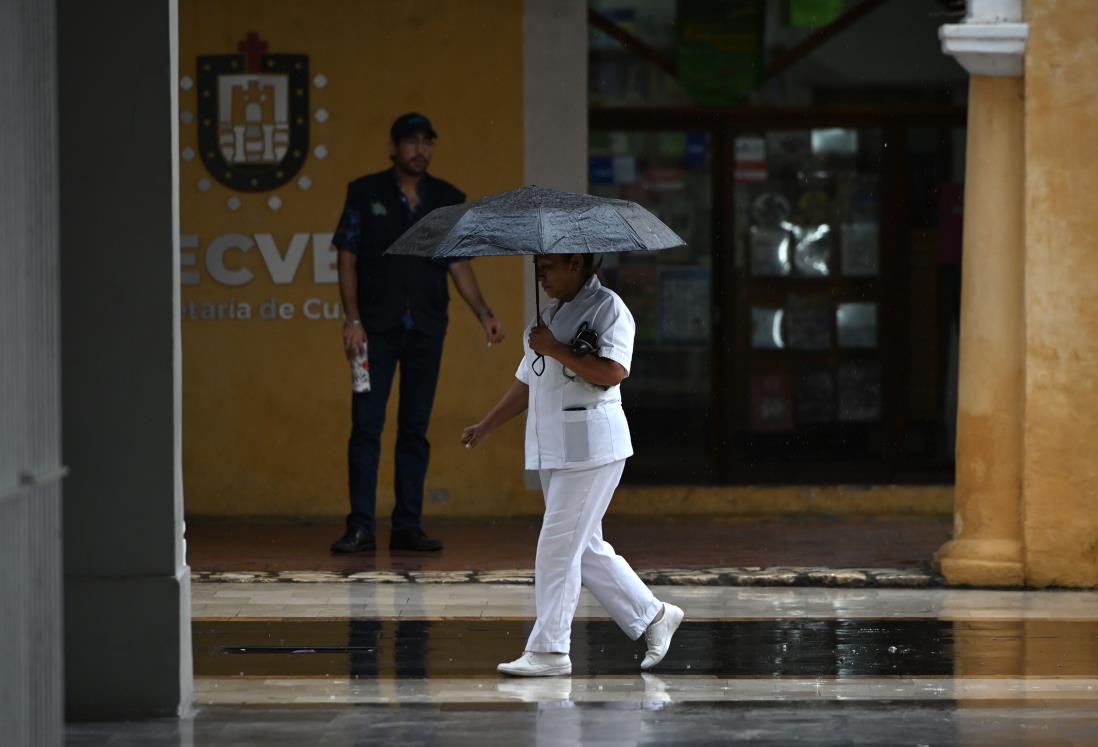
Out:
{"x": 600, "y": 170}
{"x": 858, "y": 197}
{"x": 860, "y": 258}
{"x": 812, "y": 255}
{"x": 770, "y": 249}
{"x": 640, "y": 283}
{"x": 697, "y": 148}
{"x": 771, "y": 401}
{"x": 808, "y": 322}
{"x": 685, "y": 308}
{"x": 769, "y": 208}
{"x": 814, "y": 396}
{"x": 766, "y": 329}
{"x": 625, "y": 169}
{"x": 859, "y": 392}
{"x": 788, "y": 151}
{"x": 834, "y": 141}
{"x": 672, "y": 144}
{"x": 750, "y": 159}
{"x": 856, "y": 325}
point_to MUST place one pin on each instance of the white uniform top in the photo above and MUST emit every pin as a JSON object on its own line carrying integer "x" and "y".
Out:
{"x": 571, "y": 423}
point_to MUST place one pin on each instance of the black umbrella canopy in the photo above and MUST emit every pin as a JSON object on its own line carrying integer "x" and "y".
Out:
{"x": 536, "y": 220}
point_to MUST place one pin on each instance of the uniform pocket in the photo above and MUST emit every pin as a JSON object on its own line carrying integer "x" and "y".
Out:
{"x": 586, "y": 435}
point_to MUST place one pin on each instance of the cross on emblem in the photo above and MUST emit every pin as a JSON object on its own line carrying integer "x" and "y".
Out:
{"x": 253, "y": 48}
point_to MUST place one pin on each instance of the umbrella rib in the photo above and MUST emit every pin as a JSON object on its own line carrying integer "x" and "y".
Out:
{"x": 541, "y": 230}
{"x": 633, "y": 234}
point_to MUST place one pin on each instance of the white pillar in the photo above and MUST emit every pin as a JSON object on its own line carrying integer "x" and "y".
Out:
{"x": 127, "y": 590}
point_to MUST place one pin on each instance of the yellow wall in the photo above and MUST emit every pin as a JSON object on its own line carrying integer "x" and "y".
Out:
{"x": 1060, "y": 514}
{"x": 266, "y": 403}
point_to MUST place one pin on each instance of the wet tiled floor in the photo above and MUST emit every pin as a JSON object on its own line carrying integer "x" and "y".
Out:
{"x": 366, "y": 664}
{"x": 565, "y": 723}
{"x": 409, "y": 648}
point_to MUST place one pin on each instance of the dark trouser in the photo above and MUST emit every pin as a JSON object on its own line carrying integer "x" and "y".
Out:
{"x": 419, "y": 356}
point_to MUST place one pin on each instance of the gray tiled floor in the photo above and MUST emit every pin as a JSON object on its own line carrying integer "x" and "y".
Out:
{"x": 566, "y": 724}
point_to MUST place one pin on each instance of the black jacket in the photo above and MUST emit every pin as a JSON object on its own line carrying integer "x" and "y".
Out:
{"x": 375, "y": 216}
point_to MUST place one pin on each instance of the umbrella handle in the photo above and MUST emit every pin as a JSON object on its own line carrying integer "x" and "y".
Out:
{"x": 537, "y": 318}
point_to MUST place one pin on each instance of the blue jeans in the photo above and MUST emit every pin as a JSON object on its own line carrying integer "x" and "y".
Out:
{"x": 419, "y": 356}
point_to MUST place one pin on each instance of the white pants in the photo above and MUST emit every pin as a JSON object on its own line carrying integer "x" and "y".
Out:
{"x": 571, "y": 552}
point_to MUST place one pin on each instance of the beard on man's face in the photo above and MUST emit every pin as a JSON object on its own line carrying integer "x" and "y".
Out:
{"x": 415, "y": 164}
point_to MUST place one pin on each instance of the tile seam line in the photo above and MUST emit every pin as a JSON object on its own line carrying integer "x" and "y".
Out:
{"x": 492, "y": 676}
{"x": 697, "y": 619}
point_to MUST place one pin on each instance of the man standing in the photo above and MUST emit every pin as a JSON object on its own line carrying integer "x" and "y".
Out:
{"x": 398, "y": 306}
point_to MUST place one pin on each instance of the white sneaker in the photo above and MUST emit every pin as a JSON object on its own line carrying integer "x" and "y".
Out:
{"x": 535, "y": 664}
{"x": 659, "y": 635}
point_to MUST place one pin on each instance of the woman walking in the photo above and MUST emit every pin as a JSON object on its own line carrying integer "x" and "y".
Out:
{"x": 577, "y": 438}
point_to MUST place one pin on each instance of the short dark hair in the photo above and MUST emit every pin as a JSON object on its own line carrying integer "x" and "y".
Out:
{"x": 591, "y": 265}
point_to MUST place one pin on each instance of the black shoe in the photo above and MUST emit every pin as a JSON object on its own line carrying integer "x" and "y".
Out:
{"x": 412, "y": 539}
{"x": 355, "y": 539}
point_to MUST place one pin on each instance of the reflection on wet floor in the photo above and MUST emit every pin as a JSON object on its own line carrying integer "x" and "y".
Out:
{"x": 414, "y": 664}
{"x": 566, "y": 724}
{"x": 713, "y": 648}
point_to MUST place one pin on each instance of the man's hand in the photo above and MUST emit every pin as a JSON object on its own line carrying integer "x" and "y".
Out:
{"x": 493, "y": 329}
{"x": 466, "y": 282}
{"x": 473, "y": 435}
{"x": 542, "y": 341}
{"x": 354, "y": 338}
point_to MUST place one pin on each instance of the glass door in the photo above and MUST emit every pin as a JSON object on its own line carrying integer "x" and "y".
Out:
{"x": 806, "y": 375}
{"x": 668, "y": 396}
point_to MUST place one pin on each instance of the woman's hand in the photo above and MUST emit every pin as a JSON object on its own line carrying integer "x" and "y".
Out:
{"x": 513, "y": 402}
{"x": 474, "y": 434}
{"x": 542, "y": 341}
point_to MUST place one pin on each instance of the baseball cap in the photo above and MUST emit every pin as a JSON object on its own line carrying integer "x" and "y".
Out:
{"x": 409, "y": 124}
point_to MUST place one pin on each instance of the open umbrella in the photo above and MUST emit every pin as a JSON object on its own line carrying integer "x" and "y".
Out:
{"x": 536, "y": 220}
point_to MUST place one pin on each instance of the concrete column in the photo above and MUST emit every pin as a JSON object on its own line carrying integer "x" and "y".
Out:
{"x": 127, "y": 586}
{"x": 986, "y": 548}
{"x": 987, "y": 544}
{"x": 554, "y": 112}
{"x": 554, "y": 60}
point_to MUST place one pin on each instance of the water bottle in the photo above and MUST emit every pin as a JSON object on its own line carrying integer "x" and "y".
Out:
{"x": 360, "y": 371}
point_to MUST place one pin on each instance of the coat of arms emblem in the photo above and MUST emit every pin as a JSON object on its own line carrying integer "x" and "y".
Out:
{"x": 253, "y": 116}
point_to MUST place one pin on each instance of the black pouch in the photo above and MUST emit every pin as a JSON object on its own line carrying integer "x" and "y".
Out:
{"x": 586, "y": 340}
